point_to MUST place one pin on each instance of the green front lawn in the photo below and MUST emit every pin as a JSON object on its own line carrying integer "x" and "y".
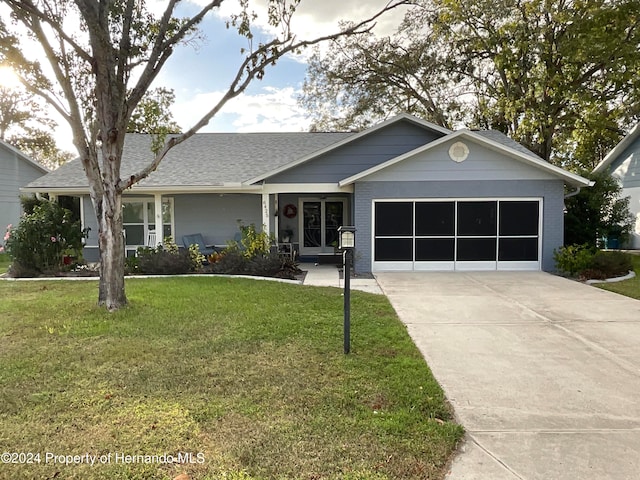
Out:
{"x": 630, "y": 288}
{"x": 247, "y": 376}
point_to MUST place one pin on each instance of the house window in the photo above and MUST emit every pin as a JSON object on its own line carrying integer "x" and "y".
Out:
{"x": 138, "y": 217}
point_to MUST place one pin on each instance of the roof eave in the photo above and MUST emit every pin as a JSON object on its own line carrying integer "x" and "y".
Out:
{"x": 618, "y": 149}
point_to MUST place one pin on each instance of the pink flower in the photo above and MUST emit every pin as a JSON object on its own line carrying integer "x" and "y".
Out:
{"x": 6, "y": 236}
{"x": 54, "y": 239}
{"x": 1, "y": 249}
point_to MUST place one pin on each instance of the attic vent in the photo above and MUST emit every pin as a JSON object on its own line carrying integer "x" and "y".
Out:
{"x": 458, "y": 152}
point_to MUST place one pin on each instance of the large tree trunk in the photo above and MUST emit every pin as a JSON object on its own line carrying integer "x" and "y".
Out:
{"x": 111, "y": 241}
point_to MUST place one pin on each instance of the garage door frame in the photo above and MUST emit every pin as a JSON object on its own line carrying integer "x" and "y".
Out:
{"x": 457, "y": 264}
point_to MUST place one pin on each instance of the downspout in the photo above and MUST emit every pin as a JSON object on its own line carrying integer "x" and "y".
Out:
{"x": 569, "y": 195}
{"x": 574, "y": 193}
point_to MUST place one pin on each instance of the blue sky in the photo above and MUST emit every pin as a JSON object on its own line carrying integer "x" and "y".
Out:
{"x": 200, "y": 75}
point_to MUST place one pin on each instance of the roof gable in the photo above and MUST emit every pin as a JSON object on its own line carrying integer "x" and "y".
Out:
{"x": 26, "y": 159}
{"x": 350, "y": 140}
{"x": 619, "y": 149}
{"x": 493, "y": 141}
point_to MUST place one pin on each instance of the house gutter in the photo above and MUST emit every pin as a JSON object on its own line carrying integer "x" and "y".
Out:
{"x": 574, "y": 193}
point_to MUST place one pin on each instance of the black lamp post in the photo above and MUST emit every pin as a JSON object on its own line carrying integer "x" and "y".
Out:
{"x": 347, "y": 243}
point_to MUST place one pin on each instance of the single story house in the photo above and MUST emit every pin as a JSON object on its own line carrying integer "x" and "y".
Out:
{"x": 421, "y": 197}
{"x": 624, "y": 163}
{"x": 16, "y": 170}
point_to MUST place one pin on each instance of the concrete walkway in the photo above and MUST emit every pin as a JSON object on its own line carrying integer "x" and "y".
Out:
{"x": 329, "y": 276}
{"x": 543, "y": 372}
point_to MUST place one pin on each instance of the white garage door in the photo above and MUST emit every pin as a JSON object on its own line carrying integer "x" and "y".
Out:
{"x": 457, "y": 234}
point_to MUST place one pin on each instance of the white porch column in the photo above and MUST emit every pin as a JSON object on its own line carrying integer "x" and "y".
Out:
{"x": 276, "y": 221}
{"x": 158, "y": 220}
{"x": 266, "y": 214}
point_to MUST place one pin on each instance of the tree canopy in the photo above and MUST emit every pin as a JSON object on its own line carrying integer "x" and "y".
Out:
{"x": 559, "y": 76}
{"x": 103, "y": 57}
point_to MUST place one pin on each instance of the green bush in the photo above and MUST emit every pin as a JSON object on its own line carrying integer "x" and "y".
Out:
{"x": 611, "y": 264}
{"x": 584, "y": 262}
{"x": 233, "y": 262}
{"x": 573, "y": 259}
{"x": 165, "y": 259}
{"x": 43, "y": 239}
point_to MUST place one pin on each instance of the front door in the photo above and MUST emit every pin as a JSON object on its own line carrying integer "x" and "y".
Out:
{"x": 320, "y": 220}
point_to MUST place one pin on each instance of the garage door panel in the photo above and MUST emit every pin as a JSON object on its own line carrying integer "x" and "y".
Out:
{"x": 435, "y": 249}
{"x": 519, "y": 218}
{"x": 394, "y": 219}
{"x": 476, "y": 249}
{"x": 477, "y": 218}
{"x": 394, "y": 249}
{"x": 518, "y": 249}
{"x": 435, "y": 218}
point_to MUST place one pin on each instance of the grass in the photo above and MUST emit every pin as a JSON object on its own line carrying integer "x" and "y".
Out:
{"x": 247, "y": 376}
{"x": 629, "y": 288}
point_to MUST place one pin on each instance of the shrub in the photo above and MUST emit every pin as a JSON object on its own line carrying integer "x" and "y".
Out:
{"x": 610, "y": 264}
{"x": 42, "y": 240}
{"x": 573, "y": 259}
{"x": 231, "y": 262}
{"x": 582, "y": 261}
{"x": 166, "y": 259}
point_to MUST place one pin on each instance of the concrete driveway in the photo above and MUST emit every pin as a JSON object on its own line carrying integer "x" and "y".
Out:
{"x": 543, "y": 372}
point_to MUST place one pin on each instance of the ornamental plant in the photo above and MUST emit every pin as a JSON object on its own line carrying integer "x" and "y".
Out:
{"x": 42, "y": 239}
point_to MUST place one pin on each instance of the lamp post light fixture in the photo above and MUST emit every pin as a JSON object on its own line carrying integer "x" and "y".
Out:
{"x": 347, "y": 243}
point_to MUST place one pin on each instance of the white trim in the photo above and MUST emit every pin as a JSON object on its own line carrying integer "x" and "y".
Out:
{"x": 345, "y": 141}
{"x": 459, "y": 265}
{"x": 536, "y": 162}
{"x": 266, "y": 214}
{"x": 618, "y": 149}
{"x": 137, "y": 190}
{"x": 311, "y": 188}
{"x": 158, "y": 223}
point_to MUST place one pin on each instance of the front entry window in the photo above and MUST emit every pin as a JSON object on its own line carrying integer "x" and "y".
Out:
{"x": 320, "y": 221}
{"x": 138, "y": 217}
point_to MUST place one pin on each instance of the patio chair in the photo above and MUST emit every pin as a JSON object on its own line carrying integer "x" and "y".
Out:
{"x": 151, "y": 239}
{"x": 197, "y": 239}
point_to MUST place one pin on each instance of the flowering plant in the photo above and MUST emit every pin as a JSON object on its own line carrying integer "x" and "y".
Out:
{"x": 38, "y": 243}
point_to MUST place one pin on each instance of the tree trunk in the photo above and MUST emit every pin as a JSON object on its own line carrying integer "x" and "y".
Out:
{"x": 111, "y": 241}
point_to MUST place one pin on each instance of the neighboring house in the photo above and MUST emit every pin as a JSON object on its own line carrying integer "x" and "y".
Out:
{"x": 421, "y": 197}
{"x": 624, "y": 164}
{"x": 16, "y": 170}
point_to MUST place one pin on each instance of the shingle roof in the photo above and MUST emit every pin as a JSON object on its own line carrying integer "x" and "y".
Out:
{"x": 206, "y": 159}
{"x": 501, "y": 138}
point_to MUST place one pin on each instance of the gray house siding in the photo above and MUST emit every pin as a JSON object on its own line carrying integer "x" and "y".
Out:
{"x": 216, "y": 216}
{"x": 482, "y": 163}
{"x": 15, "y": 172}
{"x": 359, "y": 155}
{"x": 551, "y": 191}
{"x": 626, "y": 168}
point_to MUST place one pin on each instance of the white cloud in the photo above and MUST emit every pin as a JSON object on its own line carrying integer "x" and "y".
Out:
{"x": 271, "y": 110}
{"x": 314, "y": 18}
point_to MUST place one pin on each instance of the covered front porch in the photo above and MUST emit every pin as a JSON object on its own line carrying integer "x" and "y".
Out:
{"x": 302, "y": 223}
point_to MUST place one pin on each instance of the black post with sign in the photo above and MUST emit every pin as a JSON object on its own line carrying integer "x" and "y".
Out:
{"x": 347, "y": 243}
